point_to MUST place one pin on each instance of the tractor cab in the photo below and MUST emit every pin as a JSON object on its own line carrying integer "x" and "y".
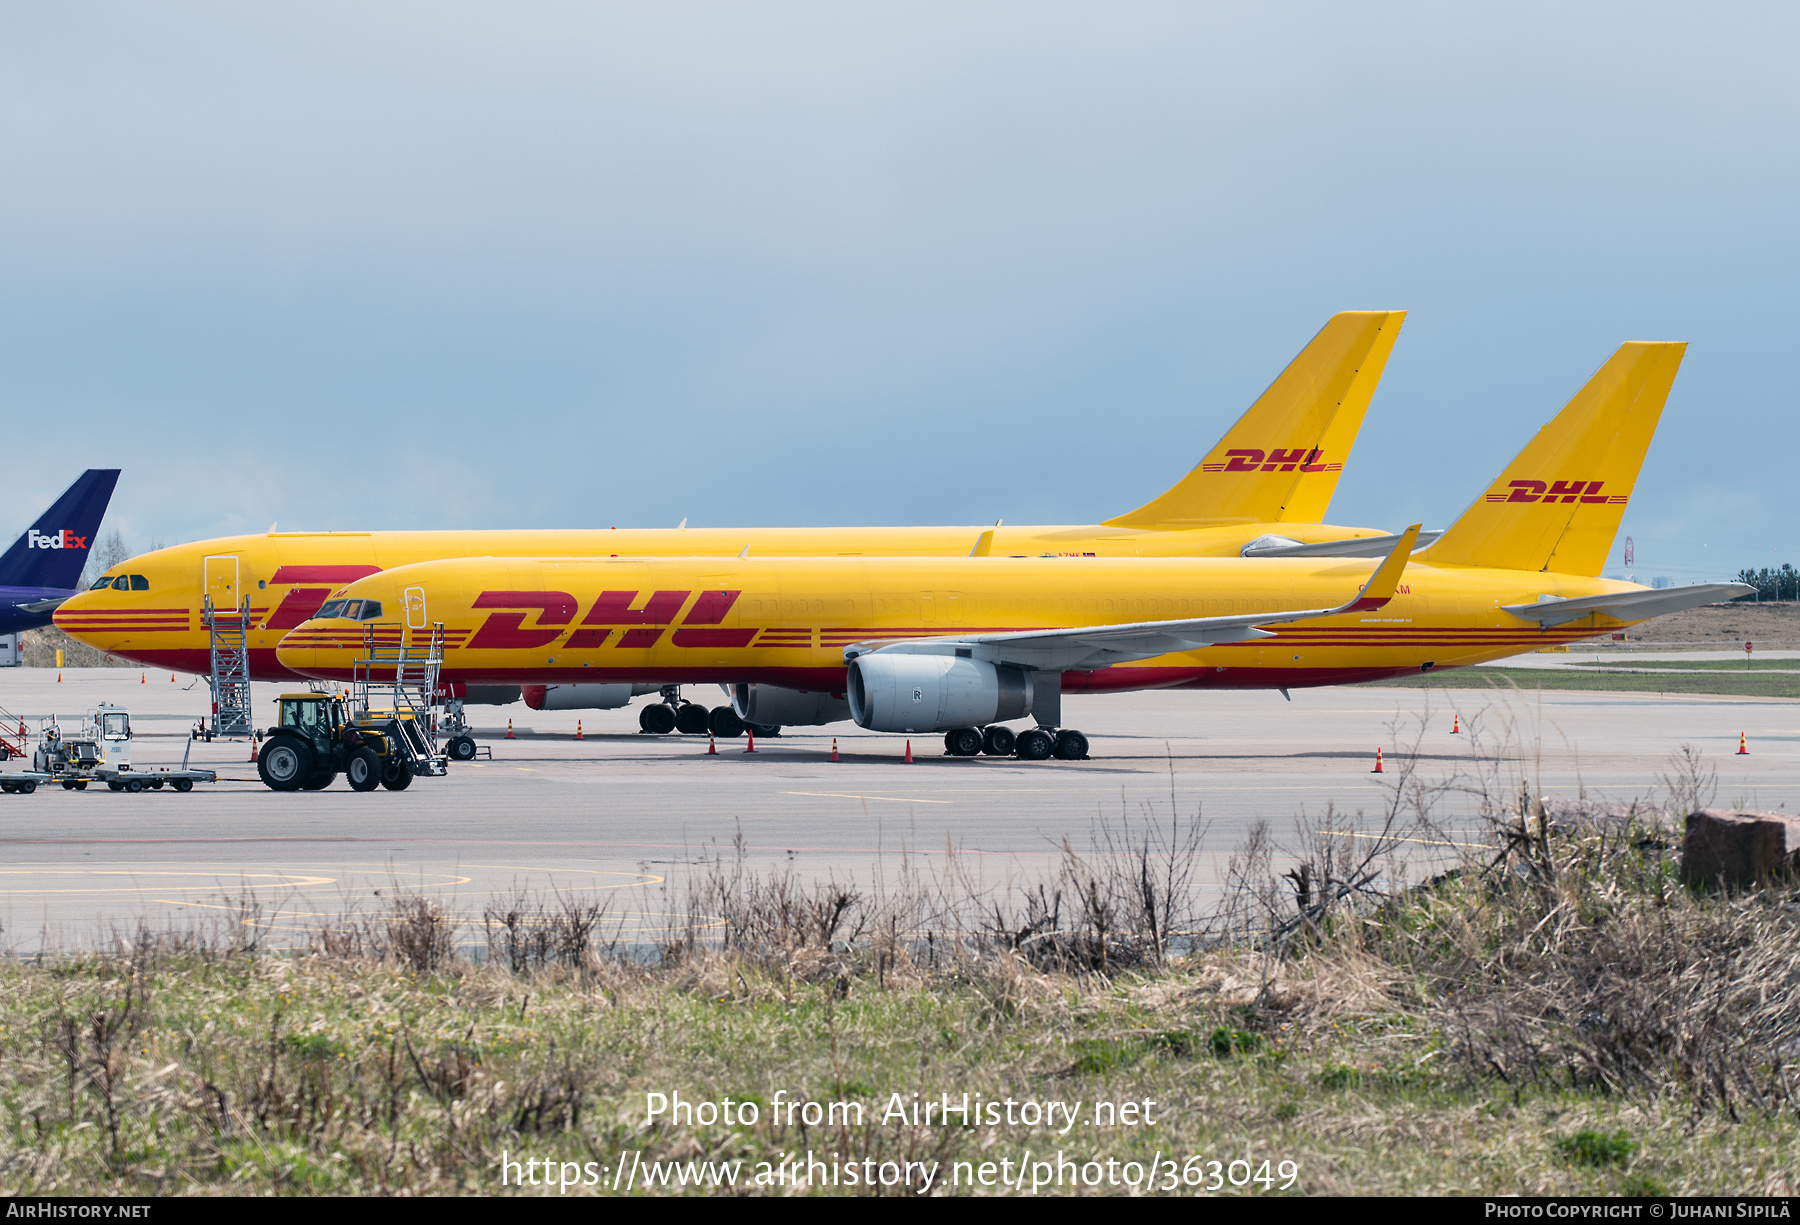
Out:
{"x": 316, "y": 718}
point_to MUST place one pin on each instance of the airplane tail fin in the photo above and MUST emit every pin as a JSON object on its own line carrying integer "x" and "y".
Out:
{"x": 1281, "y": 461}
{"x": 53, "y": 550}
{"x": 1559, "y": 504}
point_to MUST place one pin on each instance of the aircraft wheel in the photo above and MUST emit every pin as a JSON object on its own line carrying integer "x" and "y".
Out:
{"x": 692, "y": 719}
{"x": 363, "y": 770}
{"x": 656, "y": 719}
{"x": 963, "y": 741}
{"x": 1071, "y": 745}
{"x": 1035, "y": 744}
{"x": 183, "y": 784}
{"x": 462, "y": 748}
{"x": 998, "y": 741}
{"x": 725, "y": 724}
{"x": 398, "y": 775}
{"x": 284, "y": 764}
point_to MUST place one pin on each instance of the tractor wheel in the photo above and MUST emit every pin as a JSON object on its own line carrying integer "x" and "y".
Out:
{"x": 398, "y": 775}
{"x": 284, "y": 764}
{"x": 363, "y": 769}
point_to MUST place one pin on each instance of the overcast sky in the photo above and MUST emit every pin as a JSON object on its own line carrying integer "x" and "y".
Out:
{"x": 543, "y": 265}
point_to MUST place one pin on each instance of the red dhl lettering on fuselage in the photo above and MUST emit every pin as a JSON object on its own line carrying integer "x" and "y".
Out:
{"x": 1280, "y": 459}
{"x": 1546, "y": 492}
{"x": 640, "y": 627}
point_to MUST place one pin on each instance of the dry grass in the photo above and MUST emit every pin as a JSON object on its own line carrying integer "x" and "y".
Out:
{"x": 1560, "y": 1016}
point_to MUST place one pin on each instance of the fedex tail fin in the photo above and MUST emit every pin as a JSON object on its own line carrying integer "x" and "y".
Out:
{"x": 1559, "y": 504}
{"x": 1281, "y": 461}
{"x": 53, "y": 550}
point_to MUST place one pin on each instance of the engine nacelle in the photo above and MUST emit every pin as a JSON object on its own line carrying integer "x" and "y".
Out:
{"x": 773, "y": 706}
{"x": 933, "y": 693}
{"x": 583, "y": 697}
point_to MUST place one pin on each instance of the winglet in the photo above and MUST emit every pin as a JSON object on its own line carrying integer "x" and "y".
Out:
{"x": 984, "y": 544}
{"x": 1380, "y": 587}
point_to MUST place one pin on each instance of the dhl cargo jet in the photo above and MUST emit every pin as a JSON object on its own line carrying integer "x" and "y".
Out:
{"x": 1262, "y": 490}
{"x": 963, "y": 644}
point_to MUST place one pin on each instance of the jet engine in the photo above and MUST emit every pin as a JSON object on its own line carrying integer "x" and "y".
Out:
{"x": 901, "y": 692}
{"x": 583, "y": 697}
{"x": 773, "y": 706}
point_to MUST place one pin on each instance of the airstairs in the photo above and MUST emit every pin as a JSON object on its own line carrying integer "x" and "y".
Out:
{"x": 229, "y": 635}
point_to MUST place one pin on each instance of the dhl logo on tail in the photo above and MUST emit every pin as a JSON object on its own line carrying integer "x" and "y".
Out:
{"x": 1545, "y": 493}
{"x": 1253, "y": 459}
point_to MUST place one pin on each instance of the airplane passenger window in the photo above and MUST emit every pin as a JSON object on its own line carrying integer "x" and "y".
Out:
{"x": 139, "y": 583}
{"x": 121, "y": 584}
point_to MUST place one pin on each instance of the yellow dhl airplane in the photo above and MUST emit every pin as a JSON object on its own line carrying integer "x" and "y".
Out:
{"x": 1262, "y": 490}
{"x": 961, "y": 645}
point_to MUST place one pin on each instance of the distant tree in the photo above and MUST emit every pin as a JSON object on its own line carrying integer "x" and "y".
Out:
{"x": 1782, "y": 584}
{"x": 107, "y": 552}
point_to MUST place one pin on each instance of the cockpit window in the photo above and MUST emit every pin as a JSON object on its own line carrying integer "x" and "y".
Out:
{"x": 121, "y": 584}
{"x": 102, "y": 583}
{"x": 353, "y": 610}
{"x": 139, "y": 583}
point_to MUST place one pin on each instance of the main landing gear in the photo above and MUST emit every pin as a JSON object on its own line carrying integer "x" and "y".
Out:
{"x": 1032, "y": 744}
{"x": 676, "y": 714}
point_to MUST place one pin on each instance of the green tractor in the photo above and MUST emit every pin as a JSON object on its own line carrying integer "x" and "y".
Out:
{"x": 318, "y": 738}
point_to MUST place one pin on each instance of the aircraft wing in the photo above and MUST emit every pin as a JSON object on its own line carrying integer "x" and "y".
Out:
{"x": 1360, "y": 546}
{"x": 1093, "y": 646}
{"x": 1627, "y": 605}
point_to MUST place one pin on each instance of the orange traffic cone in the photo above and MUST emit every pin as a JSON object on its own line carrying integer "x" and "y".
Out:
{"x": 509, "y": 734}
{"x": 59, "y": 678}
{"x": 1456, "y": 725}
{"x": 1377, "y": 769}
{"x": 751, "y": 747}
{"x": 834, "y": 755}
{"x": 578, "y": 734}
{"x": 171, "y": 678}
{"x": 712, "y": 745}
{"x": 143, "y": 678}
{"x": 253, "y": 749}
{"x": 1743, "y": 749}
{"x": 908, "y": 757}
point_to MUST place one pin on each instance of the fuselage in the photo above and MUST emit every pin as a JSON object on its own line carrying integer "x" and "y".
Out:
{"x": 785, "y": 621}
{"x": 286, "y": 576}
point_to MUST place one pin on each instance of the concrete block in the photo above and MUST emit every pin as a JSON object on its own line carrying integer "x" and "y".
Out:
{"x": 1739, "y": 848}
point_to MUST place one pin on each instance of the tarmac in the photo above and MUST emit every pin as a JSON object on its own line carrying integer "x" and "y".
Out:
{"x": 629, "y": 818}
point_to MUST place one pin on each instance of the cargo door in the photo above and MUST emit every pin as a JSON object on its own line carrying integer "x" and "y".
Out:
{"x": 221, "y": 578}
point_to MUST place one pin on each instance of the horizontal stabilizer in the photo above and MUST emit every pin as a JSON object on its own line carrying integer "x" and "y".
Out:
{"x": 1359, "y": 546}
{"x": 1627, "y": 605}
{"x": 1094, "y": 646}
